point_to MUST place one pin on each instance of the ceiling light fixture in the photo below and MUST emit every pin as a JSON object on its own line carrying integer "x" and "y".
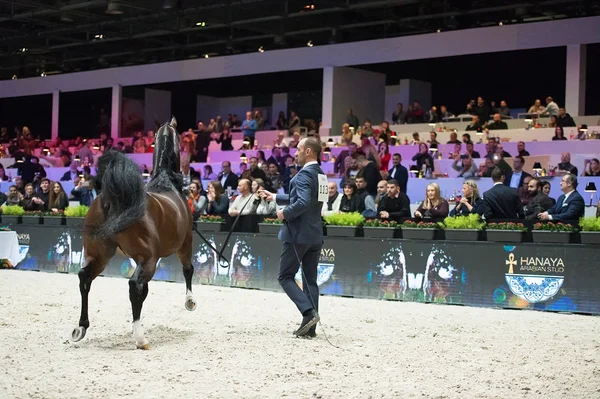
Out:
{"x": 261, "y": 49}
{"x": 113, "y": 8}
{"x": 43, "y": 74}
{"x": 14, "y": 77}
{"x": 168, "y": 4}
{"x": 500, "y": 23}
{"x": 201, "y": 23}
{"x": 309, "y": 7}
{"x": 23, "y": 50}
{"x": 205, "y": 55}
{"x": 99, "y": 37}
{"x": 310, "y": 43}
{"x": 439, "y": 30}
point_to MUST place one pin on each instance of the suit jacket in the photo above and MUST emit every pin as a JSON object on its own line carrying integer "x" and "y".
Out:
{"x": 230, "y": 181}
{"x": 67, "y": 176}
{"x": 538, "y": 204}
{"x": 400, "y": 175}
{"x": 508, "y": 176}
{"x": 501, "y": 202}
{"x": 571, "y": 209}
{"x": 303, "y": 213}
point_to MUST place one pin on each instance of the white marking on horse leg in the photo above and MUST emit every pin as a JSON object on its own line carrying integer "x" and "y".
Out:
{"x": 138, "y": 335}
{"x": 190, "y": 302}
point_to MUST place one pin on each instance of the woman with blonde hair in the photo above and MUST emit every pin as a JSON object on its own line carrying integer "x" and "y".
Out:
{"x": 434, "y": 206}
{"x": 470, "y": 201}
{"x": 346, "y": 135}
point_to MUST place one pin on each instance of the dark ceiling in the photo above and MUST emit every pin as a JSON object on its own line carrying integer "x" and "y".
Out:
{"x": 60, "y": 36}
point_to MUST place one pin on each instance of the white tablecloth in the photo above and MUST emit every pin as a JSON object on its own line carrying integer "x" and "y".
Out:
{"x": 9, "y": 246}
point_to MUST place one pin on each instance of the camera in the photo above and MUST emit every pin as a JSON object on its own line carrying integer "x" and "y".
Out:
{"x": 464, "y": 156}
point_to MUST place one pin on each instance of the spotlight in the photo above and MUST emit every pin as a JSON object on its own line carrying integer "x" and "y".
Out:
{"x": 43, "y": 74}
{"x": 310, "y": 43}
{"x": 14, "y": 77}
{"x": 439, "y": 30}
{"x": 201, "y": 23}
{"x": 500, "y": 23}
{"x": 261, "y": 49}
{"x": 113, "y": 8}
{"x": 23, "y": 49}
{"x": 99, "y": 37}
{"x": 205, "y": 55}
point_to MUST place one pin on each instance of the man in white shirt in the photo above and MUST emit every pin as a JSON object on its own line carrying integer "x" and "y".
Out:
{"x": 551, "y": 108}
{"x": 515, "y": 178}
{"x": 240, "y": 204}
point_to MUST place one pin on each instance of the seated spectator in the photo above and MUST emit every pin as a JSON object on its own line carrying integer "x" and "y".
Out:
{"x": 497, "y": 124}
{"x": 384, "y": 155}
{"x": 241, "y": 203}
{"x": 43, "y": 192}
{"x": 72, "y": 174}
{"x": 85, "y": 191}
{"x": 475, "y": 124}
{"x": 208, "y": 173}
{"x": 470, "y": 201}
{"x": 591, "y": 167}
{"x": 434, "y": 206}
{"x": 351, "y": 200}
{"x": 466, "y": 168}
{"x": 521, "y": 149}
{"x": 565, "y": 166}
{"x": 58, "y": 200}
{"x": 395, "y": 205}
{"x": 546, "y": 187}
{"x": 196, "y": 200}
{"x": 30, "y": 201}
{"x": 453, "y": 139}
{"x": 225, "y": 139}
{"x": 423, "y": 159}
{"x": 564, "y": 119}
{"x": 3, "y": 176}
{"x": 261, "y": 206}
{"x": 14, "y": 197}
{"x": 471, "y": 151}
{"x": 539, "y": 202}
{"x": 559, "y": 134}
{"x": 569, "y": 206}
{"x": 333, "y": 200}
{"x": 218, "y": 201}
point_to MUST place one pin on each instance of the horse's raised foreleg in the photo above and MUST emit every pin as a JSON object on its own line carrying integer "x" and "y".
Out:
{"x": 138, "y": 291}
{"x": 96, "y": 258}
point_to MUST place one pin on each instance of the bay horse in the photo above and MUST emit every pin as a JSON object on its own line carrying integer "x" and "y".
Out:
{"x": 145, "y": 223}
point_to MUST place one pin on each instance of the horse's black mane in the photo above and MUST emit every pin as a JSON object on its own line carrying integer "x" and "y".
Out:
{"x": 166, "y": 175}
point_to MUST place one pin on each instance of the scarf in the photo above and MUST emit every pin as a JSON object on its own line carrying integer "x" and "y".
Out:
{"x": 331, "y": 200}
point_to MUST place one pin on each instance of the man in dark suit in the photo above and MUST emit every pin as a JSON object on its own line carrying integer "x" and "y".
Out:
{"x": 515, "y": 178}
{"x": 302, "y": 235}
{"x": 500, "y": 201}
{"x": 72, "y": 173}
{"x": 398, "y": 173}
{"x": 539, "y": 202}
{"x": 85, "y": 192}
{"x": 227, "y": 177}
{"x": 569, "y": 206}
{"x": 370, "y": 172}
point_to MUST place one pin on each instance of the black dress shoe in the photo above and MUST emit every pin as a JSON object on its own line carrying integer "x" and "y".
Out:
{"x": 308, "y": 322}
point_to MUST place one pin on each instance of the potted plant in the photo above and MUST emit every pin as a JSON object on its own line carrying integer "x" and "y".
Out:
{"x": 270, "y": 226}
{"x": 12, "y": 214}
{"x": 210, "y": 223}
{"x": 54, "y": 218}
{"x": 551, "y": 232}
{"x": 419, "y": 230}
{"x": 463, "y": 228}
{"x": 590, "y": 230}
{"x": 344, "y": 224}
{"x": 505, "y": 232}
{"x": 376, "y": 228}
{"x": 75, "y": 215}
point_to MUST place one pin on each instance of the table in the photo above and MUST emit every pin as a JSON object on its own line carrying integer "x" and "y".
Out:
{"x": 9, "y": 247}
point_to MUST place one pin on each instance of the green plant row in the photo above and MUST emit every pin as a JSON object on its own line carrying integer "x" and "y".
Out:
{"x": 78, "y": 211}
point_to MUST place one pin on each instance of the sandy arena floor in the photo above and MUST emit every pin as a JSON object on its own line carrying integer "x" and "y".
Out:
{"x": 239, "y": 343}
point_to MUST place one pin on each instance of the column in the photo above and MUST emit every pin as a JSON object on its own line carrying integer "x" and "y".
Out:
{"x": 362, "y": 91}
{"x": 575, "y": 79}
{"x": 415, "y": 90}
{"x": 115, "y": 115}
{"x": 55, "y": 113}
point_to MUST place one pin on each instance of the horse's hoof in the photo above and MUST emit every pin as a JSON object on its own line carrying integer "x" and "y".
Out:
{"x": 78, "y": 334}
{"x": 190, "y": 304}
{"x": 144, "y": 347}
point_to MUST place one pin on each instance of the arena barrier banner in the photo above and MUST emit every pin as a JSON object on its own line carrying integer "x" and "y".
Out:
{"x": 562, "y": 278}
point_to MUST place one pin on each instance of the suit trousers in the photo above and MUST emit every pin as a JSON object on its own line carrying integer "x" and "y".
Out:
{"x": 288, "y": 267}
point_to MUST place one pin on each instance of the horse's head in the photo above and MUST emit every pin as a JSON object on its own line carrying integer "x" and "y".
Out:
{"x": 166, "y": 148}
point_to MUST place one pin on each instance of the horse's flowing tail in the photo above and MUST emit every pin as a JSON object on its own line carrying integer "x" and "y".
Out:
{"x": 123, "y": 194}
